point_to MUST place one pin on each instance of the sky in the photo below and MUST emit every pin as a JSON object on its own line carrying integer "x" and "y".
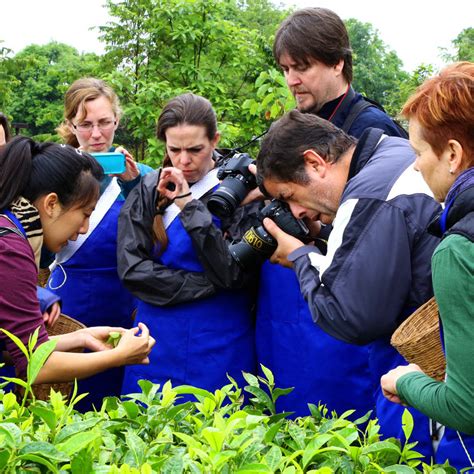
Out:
{"x": 415, "y": 29}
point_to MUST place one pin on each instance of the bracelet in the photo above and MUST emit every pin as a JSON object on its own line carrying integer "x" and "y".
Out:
{"x": 183, "y": 195}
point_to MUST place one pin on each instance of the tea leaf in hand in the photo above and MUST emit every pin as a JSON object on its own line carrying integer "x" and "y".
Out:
{"x": 114, "y": 338}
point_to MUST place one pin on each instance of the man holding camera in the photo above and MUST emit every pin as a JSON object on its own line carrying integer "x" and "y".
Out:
{"x": 377, "y": 267}
{"x": 312, "y": 47}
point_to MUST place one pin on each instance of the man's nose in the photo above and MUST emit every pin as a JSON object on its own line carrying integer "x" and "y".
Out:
{"x": 292, "y": 78}
{"x": 298, "y": 211}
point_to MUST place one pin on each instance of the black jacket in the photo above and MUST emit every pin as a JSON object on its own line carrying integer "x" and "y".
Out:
{"x": 157, "y": 284}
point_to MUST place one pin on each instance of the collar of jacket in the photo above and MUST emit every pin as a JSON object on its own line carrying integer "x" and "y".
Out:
{"x": 364, "y": 150}
{"x": 462, "y": 205}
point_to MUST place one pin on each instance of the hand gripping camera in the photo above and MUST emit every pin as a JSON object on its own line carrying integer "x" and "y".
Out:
{"x": 257, "y": 244}
{"x": 236, "y": 183}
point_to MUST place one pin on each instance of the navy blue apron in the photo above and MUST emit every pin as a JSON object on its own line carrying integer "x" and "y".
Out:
{"x": 199, "y": 342}
{"x": 450, "y": 449}
{"x": 94, "y": 295}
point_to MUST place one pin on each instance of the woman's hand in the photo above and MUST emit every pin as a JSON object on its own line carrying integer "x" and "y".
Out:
{"x": 134, "y": 349}
{"x": 131, "y": 169}
{"x": 388, "y": 381}
{"x": 51, "y": 315}
{"x": 93, "y": 338}
{"x": 174, "y": 186}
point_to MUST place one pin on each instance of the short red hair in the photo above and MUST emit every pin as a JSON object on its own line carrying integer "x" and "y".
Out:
{"x": 444, "y": 107}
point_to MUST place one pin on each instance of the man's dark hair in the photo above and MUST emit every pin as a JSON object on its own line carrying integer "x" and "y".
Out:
{"x": 314, "y": 34}
{"x": 281, "y": 153}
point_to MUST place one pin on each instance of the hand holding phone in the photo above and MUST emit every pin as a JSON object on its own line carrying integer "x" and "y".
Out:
{"x": 111, "y": 162}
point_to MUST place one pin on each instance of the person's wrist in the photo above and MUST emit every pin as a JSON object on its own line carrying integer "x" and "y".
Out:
{"x": 182, "y": 199}
{"x": 118, "y": 356}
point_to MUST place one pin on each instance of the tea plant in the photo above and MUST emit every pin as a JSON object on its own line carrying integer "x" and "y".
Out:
{"x": 231, "y": 430}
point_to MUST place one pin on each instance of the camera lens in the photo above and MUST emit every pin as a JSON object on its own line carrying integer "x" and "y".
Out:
{"x": 228, "y": 196}
{"x": 255, "y": 247}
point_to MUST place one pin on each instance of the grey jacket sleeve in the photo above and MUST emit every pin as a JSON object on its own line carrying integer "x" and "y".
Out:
{"x": 143, "y": 277}
{"x": 376, "y": 270}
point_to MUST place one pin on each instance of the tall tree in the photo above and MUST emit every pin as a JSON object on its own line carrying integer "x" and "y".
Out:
{"x": 158, "y": 49}
{"x": 7, "y": 80}
{"x": 41, "y": 75}
{"x": 463, "y": 45}
{"x": 377, "y": 69}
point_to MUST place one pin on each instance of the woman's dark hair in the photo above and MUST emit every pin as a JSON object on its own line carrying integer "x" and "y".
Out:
{"x": 31, "y": 169}
{"x": 189, "y": 109}
{"x": 6, "y": 127}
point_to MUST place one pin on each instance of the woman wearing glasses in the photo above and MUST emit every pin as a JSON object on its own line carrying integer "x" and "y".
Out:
{"x": 84, "y": 273}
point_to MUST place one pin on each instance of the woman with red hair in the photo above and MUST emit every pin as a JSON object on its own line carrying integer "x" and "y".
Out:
{"x": 441, "y": 115}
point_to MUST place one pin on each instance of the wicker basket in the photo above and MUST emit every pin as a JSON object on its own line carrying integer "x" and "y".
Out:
{"x": 418, "y": 340}
{"x": 63, "y": 325}
{"x": 43, "y": 275}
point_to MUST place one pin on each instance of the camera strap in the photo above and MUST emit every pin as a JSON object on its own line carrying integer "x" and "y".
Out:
{"x": 197, "y": 191}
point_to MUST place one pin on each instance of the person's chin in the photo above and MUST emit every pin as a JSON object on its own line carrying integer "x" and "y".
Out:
{"x": 326, "y": 219}
{"x": 98, "y": 148}
{"x": 190, "y": 176}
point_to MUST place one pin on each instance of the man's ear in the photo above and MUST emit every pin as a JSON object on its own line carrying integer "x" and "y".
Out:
{"x": 49, "y": 205}
{"x": 339, "y": 67}
{"x": 315, "y": 162}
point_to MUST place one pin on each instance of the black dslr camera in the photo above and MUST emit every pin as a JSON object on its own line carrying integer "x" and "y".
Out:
{"x": 257, "y": 244}
{"x": 236, "y": 183}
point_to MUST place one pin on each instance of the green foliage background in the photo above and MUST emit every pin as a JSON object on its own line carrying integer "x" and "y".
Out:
{"x": 221, "y": 49}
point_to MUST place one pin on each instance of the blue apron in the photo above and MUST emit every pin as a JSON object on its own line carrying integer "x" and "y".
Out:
{"x": 301, "y": 355}
{"x": 321, "y": 368}
{"x": 450, "y": 447}
{"x": 199, "y": 342}
{"x": 384, "y": 357}
{"x": 94, "y": 295}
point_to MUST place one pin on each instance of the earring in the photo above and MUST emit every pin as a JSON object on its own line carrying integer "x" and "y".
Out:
{"x": 451, "y": 172}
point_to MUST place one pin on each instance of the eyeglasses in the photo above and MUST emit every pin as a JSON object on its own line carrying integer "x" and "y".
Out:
{"x": 103, "y": 125}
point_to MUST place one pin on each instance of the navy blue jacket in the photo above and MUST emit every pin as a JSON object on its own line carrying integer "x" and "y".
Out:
{"x": 377, "y": 267}
{"x": 371, "y": 117}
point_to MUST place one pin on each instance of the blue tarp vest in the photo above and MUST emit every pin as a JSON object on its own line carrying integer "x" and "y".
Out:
{"x": 199, "y": 342}
{"x": 321, "y": 368}
{"x": 94, "y": 295}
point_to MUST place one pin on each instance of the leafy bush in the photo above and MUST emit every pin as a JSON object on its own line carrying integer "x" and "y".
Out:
{"x": 150, "y": 432}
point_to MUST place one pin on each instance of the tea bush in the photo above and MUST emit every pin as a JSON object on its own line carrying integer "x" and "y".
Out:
{"x": 221, "y": 432}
